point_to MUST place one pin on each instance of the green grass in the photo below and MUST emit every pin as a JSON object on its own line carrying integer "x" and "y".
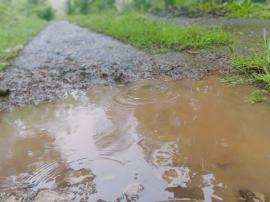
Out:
{"x": 138, "y": 30}
{"x": 16, "y": 28}
{"x": 252, "y": 69}
{"x": 255, "y": 97}
{"x": 233, "y": 9}
{"x": 237, "y": 8}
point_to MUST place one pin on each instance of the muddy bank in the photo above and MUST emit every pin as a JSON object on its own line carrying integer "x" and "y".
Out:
{"x": 65, "y": 58}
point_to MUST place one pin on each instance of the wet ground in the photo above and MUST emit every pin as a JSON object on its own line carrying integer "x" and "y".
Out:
{"x": 126, "y": 138}
{"x": 247, "y": 33}
{"x": 65, "y": 58}
{"x": 152, "y": 140}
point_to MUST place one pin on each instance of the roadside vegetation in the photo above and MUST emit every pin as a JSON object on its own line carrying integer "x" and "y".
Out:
{"x": 135, "y": 28}
{"x": 187, "y": 8}
{"x": 19, "y": 22}
{"x": 252, "y": 69}
{"x": 195, "y": 8}
{"x": 129, "y": 23}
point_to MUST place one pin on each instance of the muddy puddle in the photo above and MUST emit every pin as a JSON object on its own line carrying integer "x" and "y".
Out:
{"x": 148, "y": 141}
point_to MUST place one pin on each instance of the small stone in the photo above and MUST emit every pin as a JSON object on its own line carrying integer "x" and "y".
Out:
{"x": 193, "y": 193}
{"x": 251, "y": 196}
{"x": 4, "y": 92}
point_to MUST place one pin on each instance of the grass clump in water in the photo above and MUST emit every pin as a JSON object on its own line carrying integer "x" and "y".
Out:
{"x": 255, "y": 97}
{"x": 16, "y": 28}
{"x": 138, "y": 30}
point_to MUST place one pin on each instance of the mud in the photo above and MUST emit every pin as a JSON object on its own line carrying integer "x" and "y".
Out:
{"x": 65, "y": 59}
{"x": 187, "y": 12}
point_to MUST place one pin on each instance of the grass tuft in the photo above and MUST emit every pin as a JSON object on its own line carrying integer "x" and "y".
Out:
{"x": 255, "y": 97}
{"x": 254, "y": 69}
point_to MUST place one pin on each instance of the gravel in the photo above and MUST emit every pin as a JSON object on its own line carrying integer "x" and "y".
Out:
{"x": 64, "y": 58}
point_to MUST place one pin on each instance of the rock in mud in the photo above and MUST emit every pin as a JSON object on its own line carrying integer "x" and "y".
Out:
{"x": 4, "y": 92}
{"x": 193, "y": 193}
{"x": 251, "y": 196}
{"x": 133, "y": 190}
{"x": 52, "y": 196}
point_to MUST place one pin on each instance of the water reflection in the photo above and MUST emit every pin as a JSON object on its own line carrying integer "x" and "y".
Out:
{"x": 150, "y": 141}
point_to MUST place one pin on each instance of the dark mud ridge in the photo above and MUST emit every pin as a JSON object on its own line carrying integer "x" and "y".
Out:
{"x": 65, "y": 58}
{"x": 187, "y": 12}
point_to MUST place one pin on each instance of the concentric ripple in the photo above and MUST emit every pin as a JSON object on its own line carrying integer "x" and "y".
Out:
{"x": 147, "y": 92}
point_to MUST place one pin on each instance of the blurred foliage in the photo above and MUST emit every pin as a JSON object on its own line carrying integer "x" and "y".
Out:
{"x": 86, "y": 6}
{"x": 18, "y": 23}
{"x": 230, "y": 8}
{"x": 138, "y": 30}
{"x": 253, "y": 69}
{"x": 46, "y": 13}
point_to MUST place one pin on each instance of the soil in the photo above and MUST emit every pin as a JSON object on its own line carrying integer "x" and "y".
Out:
{"x": 187, "y": 12}
{"x": 65, "y": 58}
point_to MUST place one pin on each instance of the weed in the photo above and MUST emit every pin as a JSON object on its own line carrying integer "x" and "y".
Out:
{"x": 255, "y": 97}
{"x": 253, "y": 69}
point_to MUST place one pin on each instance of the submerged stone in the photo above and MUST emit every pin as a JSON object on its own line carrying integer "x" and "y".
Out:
{"x": 12, "y": 199}
{"x": 194, "y": 193}
{"x": 251, "y": 196}
{"x": 74, "y": 177}
{"x": 48, "y": 195}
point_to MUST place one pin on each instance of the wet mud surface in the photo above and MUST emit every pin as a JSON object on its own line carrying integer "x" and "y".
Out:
{"x": 65, "y": 58}
{"x": 154, "y": 140}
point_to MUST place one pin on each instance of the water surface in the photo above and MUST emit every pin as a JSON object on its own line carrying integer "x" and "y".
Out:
{"x": 192, "y": 140}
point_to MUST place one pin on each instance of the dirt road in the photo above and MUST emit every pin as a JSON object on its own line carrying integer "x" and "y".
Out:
{"x": 66, "y": 58}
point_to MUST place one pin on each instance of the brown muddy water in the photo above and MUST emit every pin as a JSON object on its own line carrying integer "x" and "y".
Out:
{"x": 150, "y": 141}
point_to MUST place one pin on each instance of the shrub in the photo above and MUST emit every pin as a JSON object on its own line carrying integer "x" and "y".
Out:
{"x": 46, "y": 13}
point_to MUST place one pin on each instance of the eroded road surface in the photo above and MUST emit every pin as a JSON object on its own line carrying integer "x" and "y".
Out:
{"x": 65, "y": 58}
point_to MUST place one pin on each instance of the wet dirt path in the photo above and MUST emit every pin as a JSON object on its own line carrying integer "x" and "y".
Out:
{"x": 153, "y": 140}
{"x": 126, "y": 138}
{"x": 65, "y": 58}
